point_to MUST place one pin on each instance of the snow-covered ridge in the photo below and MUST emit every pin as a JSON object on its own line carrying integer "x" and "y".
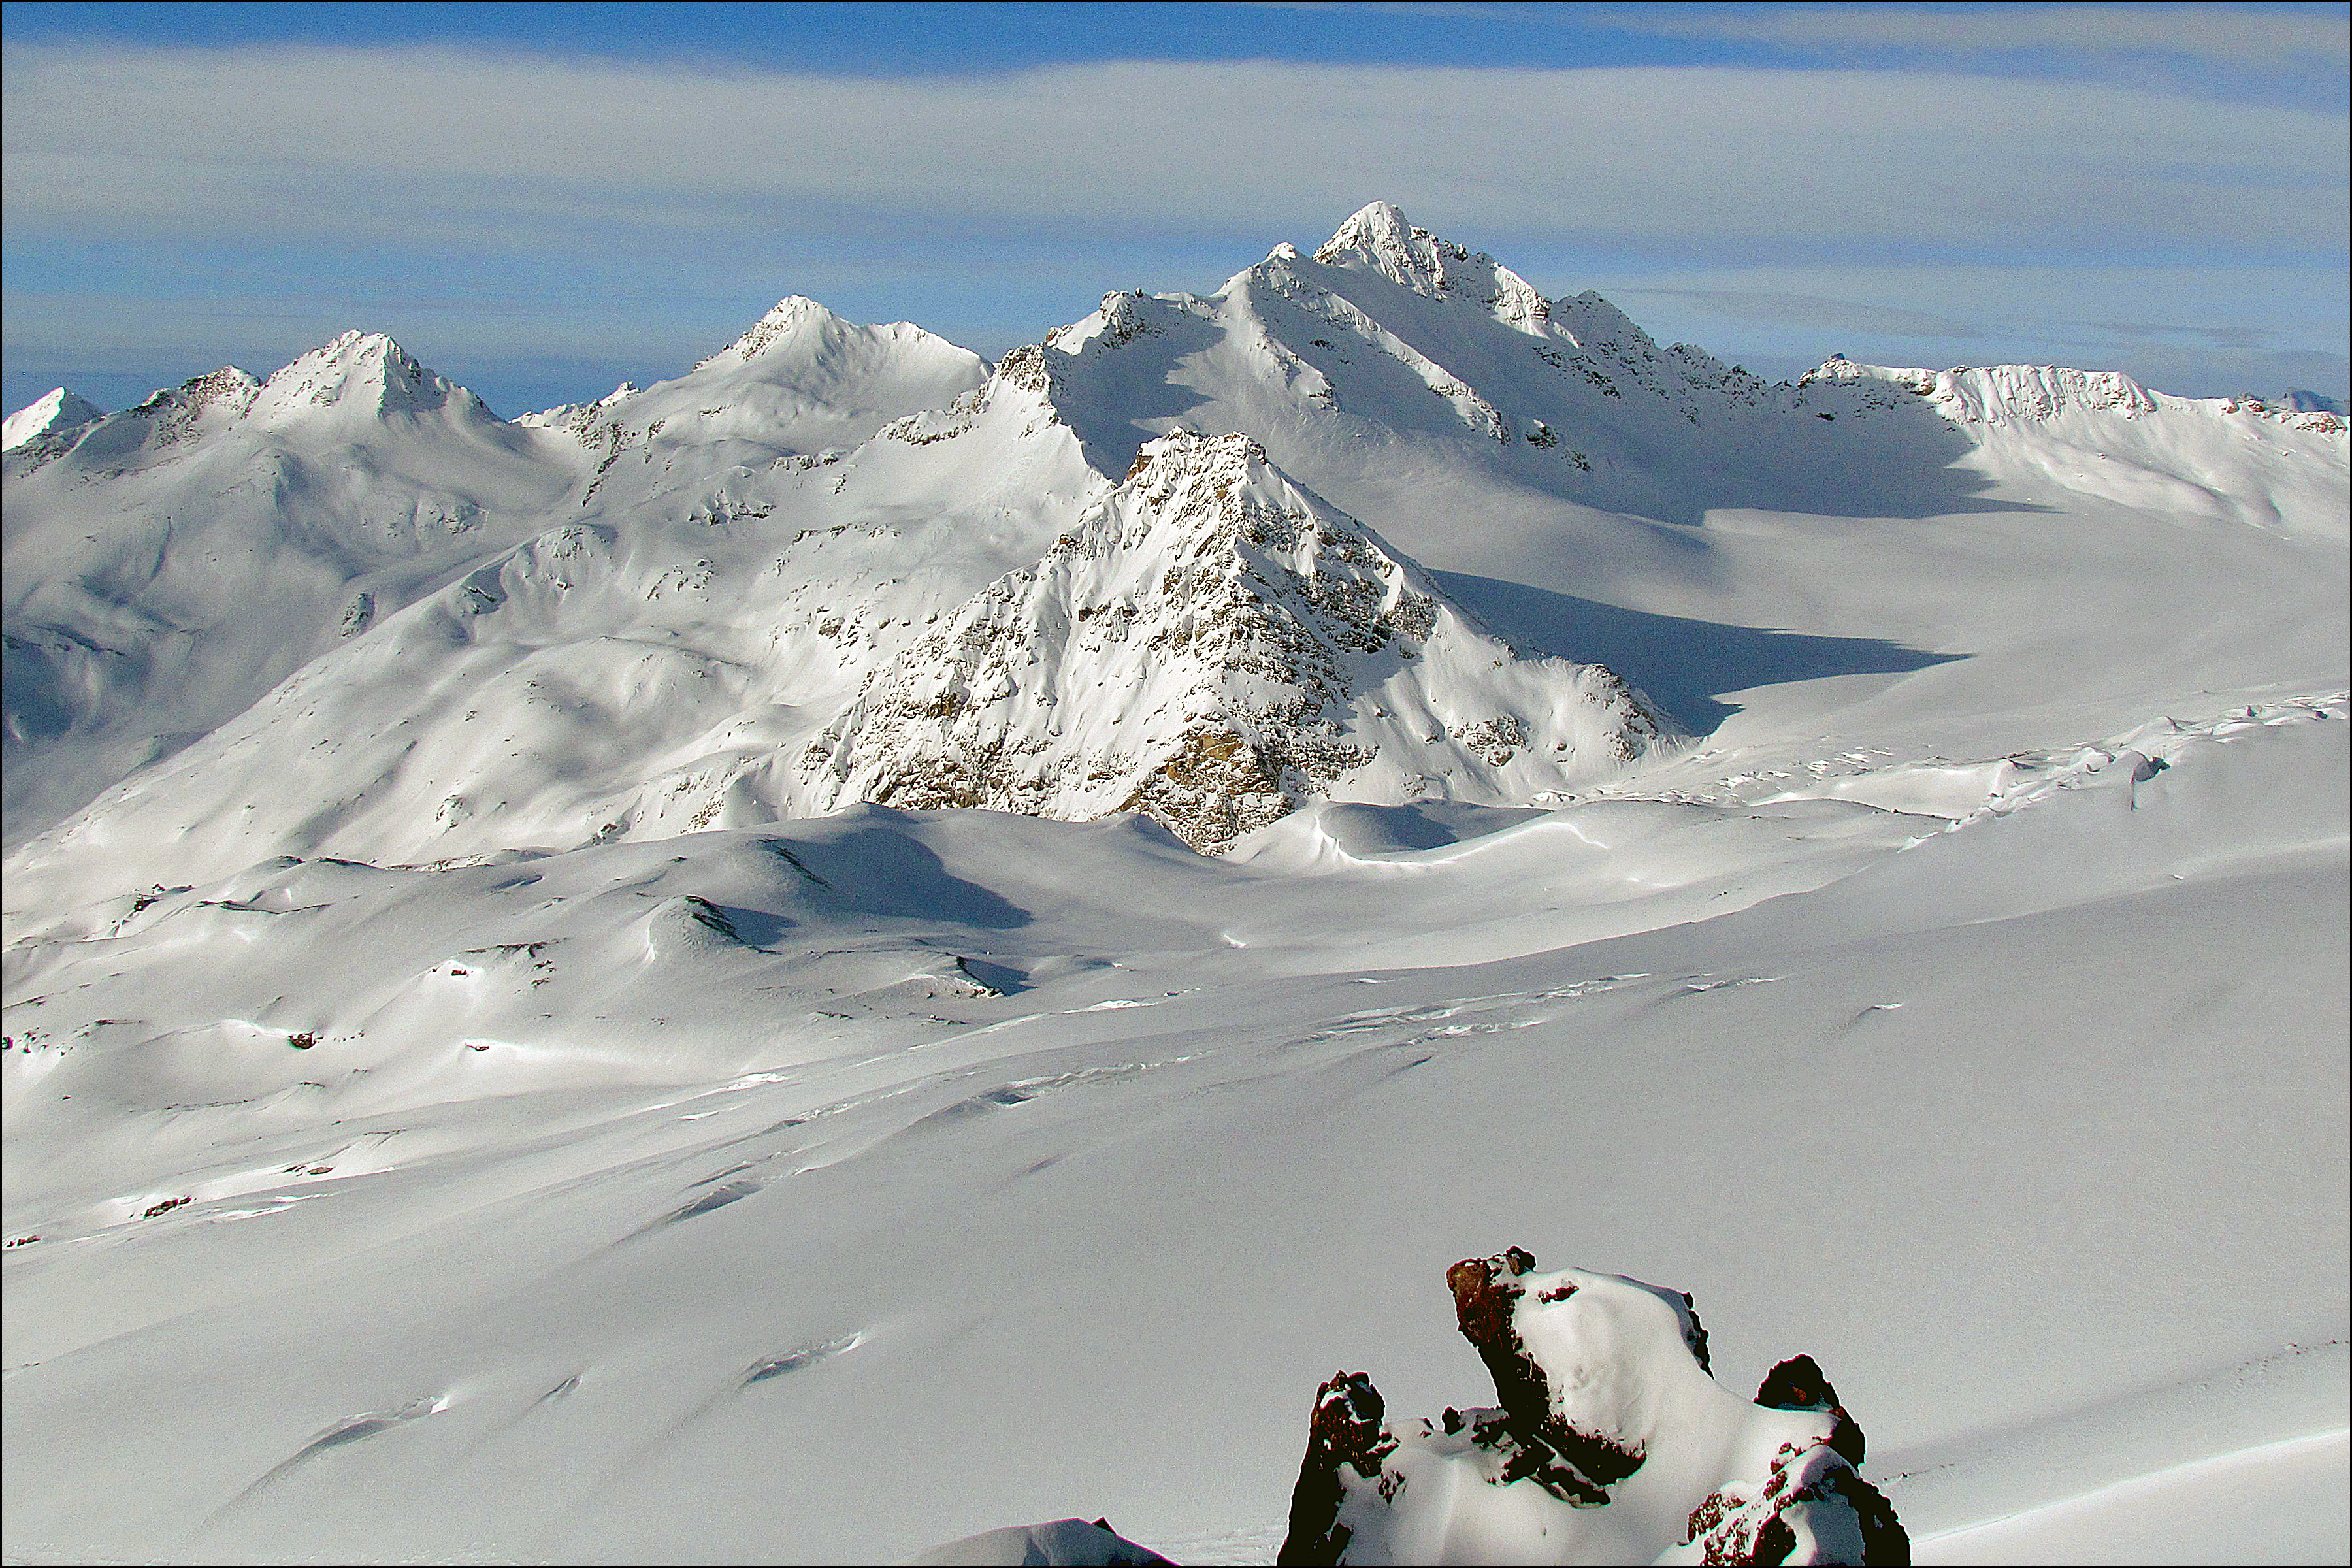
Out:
{"x": 1213, "y": 645}
{"x": 2009, "y": 393}
{"x": 55, "y": 415}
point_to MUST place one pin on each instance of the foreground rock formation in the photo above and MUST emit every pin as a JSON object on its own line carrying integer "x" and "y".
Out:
{"x": 1611, "y": 1442}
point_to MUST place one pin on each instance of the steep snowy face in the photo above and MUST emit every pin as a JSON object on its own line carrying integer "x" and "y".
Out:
{"x": 1213, "y": 645}
{"x": 55, "y": 415}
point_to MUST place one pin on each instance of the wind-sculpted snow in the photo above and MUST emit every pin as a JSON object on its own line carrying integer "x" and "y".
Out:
{"x": 1611, "y": 1443}
{"x": 1213, "y": 645}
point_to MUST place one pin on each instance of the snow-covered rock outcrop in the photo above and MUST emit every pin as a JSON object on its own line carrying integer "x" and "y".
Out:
{"x": 1213, "y": 645}
{"x": 1611, "y": 1442}
{"x": 54, "y": 416}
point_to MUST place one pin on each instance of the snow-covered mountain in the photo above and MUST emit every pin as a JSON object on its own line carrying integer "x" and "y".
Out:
{"x": 797, "y": 915}
{"x": 55, "y": 416}
{"x": 802, "y": 380}
{"x": 244, "y": 530}
{"x": 1211, "y": 646}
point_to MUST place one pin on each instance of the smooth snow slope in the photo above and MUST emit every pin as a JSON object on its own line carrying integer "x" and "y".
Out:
{"x": 176, "y": 561}
{"x": 1962, "y": 1002}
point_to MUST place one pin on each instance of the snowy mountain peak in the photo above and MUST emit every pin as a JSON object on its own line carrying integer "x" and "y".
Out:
{"x": 366, "y": 374}
{"x": 173, "y": 414}
{"x": 794, "y": 316}
{"x": 1597, "y": 326}
{"x": 1375, "y": 228}
{"x": 1380, "y": 238}
{"x": 1213, "y": 645}
{"x": 802, "y": 380}
{"x": 56, "y": 413}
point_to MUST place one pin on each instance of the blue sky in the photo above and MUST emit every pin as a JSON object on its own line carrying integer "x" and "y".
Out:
{"x": 542, "y": 201}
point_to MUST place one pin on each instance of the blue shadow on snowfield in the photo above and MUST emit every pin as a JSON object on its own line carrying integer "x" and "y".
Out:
{"x": 877, "y": 871}
{"x": 1680, "y": 665}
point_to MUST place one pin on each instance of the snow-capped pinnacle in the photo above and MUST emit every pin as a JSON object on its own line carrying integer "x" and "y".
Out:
{"x": 1380, "y": 238}
{"x": 1593, "y": 323}
{"x": 59, "y": 412}
{"x": 1378, "y": 229}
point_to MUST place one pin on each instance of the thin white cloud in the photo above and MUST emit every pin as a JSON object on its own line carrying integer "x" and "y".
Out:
{"x": 628, "y": 202}
{"x": 2235, "y": 37}
{"x": 392, "y": 143}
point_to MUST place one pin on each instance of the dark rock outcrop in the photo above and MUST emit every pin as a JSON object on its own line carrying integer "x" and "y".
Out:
{"x": 1611, "y": 1441}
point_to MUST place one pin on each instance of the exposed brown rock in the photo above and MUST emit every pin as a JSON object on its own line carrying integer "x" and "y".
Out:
{"x": 1344, "y": 1429}
{"x": 1799, "y": 1383}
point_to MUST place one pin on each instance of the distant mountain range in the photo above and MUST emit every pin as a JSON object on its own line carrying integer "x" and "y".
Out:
{"x": 1172, "y": 559}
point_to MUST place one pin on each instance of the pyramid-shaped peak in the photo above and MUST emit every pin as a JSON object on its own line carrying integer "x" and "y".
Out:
{"x": 56, "y": 412}
{"x": 1380, "y": 238}
{"x": 372, "y": 356}
{"x": 364, "y": 373}
{"x": 357, "y": 344}
{"x": 790, "y": 316}
{"x": 1372, "y": 225}
{"x": 1213, "y": 645}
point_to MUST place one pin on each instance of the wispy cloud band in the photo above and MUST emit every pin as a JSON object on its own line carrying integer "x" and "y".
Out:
{"x": 363, "y": 142}
{"x": 683, "y": 192}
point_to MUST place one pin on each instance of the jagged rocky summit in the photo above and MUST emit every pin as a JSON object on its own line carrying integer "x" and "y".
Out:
{"x": 1213, "y": 645}
{"x": 1611, "y": 1442}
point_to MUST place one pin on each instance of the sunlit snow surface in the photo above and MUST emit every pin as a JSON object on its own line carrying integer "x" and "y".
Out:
{"x": 1962, "y": 1003}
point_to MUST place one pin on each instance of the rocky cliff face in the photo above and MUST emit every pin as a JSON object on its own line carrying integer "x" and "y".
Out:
{"x": 1213, "y": 645}
{"x": 1610, "y": 1442}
